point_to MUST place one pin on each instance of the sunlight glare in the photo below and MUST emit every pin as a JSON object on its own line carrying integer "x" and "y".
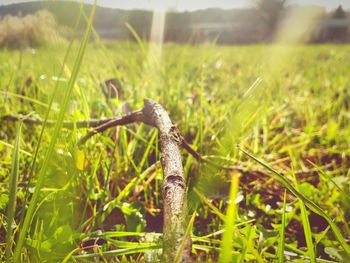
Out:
{"x": 295, "y": 29}
{"x": 153, "y": 63}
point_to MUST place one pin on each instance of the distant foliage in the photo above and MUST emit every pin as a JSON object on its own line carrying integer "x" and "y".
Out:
{"x": 339, "y": 13}
{"x": 30, "y": 30}
{"x": 270, "y": 13}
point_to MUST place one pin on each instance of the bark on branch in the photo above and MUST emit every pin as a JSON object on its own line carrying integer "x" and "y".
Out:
{"x": 174, "y": 186}
{"x": 66, "y": 124}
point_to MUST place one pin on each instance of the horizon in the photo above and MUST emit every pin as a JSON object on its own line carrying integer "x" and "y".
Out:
{"x": 182, "y": 5}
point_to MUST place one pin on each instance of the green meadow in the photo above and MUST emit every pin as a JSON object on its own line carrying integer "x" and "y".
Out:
{"x": 271, "y": 121}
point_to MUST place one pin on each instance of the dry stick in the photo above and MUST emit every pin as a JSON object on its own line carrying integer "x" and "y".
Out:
{"x": 174, "y": 186}
{"x": 66, "y": 124}
{"x": 104, "y": 124}
{"x": 135, "y": 116}
{"x": 99, "y": 127}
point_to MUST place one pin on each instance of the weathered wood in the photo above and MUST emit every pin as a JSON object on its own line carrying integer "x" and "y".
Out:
{"x": 174, "y": 186}
{"x": 66, "y": 124}
{"x": 135, "y": 116}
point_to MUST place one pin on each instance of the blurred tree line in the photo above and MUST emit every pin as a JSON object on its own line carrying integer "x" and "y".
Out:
{"x": 237, "y": 26}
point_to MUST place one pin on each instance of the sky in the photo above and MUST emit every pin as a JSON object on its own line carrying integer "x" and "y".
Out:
{"x": 196, "y": 4}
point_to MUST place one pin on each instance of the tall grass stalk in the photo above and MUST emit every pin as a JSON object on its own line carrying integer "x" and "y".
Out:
{"x": 49, "y": 108}
{"x": 12, "y": 193}
{"x": 280, "y": 249}
{"x": 55, "y": 135}
{"x": 185, "y": 238}
{"x": 306, "y": 224}
{"x": 231, "y": 214}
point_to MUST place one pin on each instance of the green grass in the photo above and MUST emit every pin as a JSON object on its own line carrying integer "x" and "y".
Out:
{"x": 306, "y": 201}
{"x": 57, "y": 129}
{"x": 306, "y": 224}
{"x": 12, "y": 193}
{"x": 286, "y": 105}
{"x": 281, "y": 246}
{"x": 230, "y": 219}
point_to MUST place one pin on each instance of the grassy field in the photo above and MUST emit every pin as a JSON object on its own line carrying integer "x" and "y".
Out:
{"x": 287, "y": 106}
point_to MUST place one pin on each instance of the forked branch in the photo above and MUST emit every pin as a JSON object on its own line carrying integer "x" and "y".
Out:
{"x": 174, "y": 186}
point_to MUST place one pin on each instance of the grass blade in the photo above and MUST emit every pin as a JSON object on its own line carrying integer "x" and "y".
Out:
{"x": 55, "y": 135}
{"x": 119, "y": 252}
{"x": 330, "y": 179}
{"x": 55, "y": 89}
{"x": 306, "y": 225}
{"x": 184, "y": 240}
{"x": 215, "y": 210}
{"x": 18, "y": 96}
{"x": 310, "y": 204}
{"x": 114, "y": 234}
{"x": 280, "y": 249}
{"x": 227, "y": 241}
{"x": 139, "y": 41}
{"x": 12, "y": 192}
{"x": 12, "y": 147}
{"x": 108, "y": 208}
